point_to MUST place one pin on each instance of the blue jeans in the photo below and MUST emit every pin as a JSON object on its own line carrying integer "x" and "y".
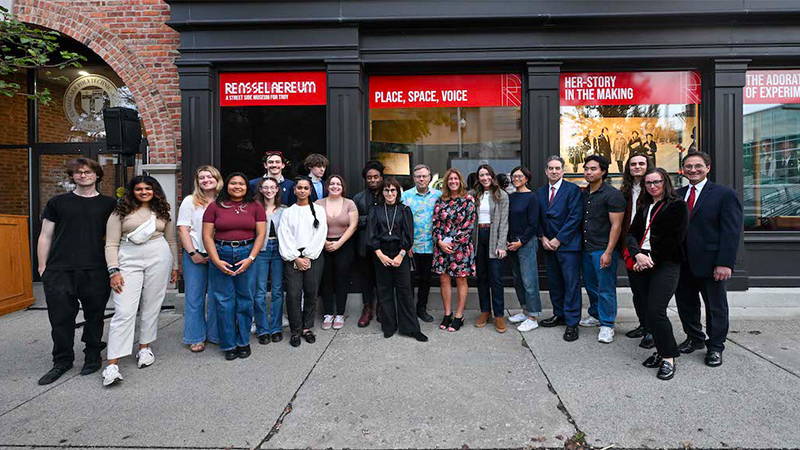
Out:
{"x": 526, "y": 277}
{"x": 601, "y": 285}
{"x": 269, "y": 267}
{"x": 196, "y": 327}
{"x": 490, "y": 277}
{"x": 234, "y": 298}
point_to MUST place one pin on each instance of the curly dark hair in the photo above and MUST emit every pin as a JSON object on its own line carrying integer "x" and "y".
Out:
{"x": 128, "y": 204}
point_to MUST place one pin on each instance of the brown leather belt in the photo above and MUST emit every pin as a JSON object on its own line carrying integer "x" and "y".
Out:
{"x": 484, "y": 225}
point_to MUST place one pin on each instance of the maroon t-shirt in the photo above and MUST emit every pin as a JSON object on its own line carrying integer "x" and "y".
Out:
{"x": 236, "y": 223}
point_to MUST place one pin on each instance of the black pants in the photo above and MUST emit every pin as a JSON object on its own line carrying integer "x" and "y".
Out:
{"x": 715, "y": 297}
{"x": 301, "y": 294}
{"x": 368, "y": 286}
{"x": 639, "y": 290}
{"x": 396, "y": 297}
{"x": 423, "y": 274}
{"x": 64, "y": 290}
{"x": 658, "y": 284}
{"x": 621, "y": 166}
{"x": 336, "y": 278}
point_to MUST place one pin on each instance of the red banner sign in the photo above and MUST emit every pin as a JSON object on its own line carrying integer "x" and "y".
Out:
{"x": 629, "y": 88}
{"x": 438, "y": 91}
{"x": 272, "y": 88}
{"x": 772, "y": 87}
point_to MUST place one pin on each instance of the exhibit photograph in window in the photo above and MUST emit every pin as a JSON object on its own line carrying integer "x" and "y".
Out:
{"x": 619, "y": 114}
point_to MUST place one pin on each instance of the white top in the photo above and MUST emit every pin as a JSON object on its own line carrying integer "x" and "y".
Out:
{"x": 635, "y": 192}
{"x": 698, "y": 189}
{"x": 297, "y": 231}
{"x": 551, "y": 186}
{"x": 484, "y": 210}
{"x": 646, "y": 240}
{"x": 192, "y": 217}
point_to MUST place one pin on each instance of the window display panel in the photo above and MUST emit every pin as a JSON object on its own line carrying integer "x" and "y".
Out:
{"x": 771, "y": 134}
{"x": 445, "y": 121}
{"x": 620, "y": 114}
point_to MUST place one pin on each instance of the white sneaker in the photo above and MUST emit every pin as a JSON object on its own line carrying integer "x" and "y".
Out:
{"x": 285, "y": 322}
{"x": 606, "y": 335}
{"x": 528, "y": 325}
{"x": 338, "y": 322}
{"x": 327, "y": 322}
{"x": 253, "y": 329}
{"x": 145, "y": 358}
{"x": 517, "y": 318}
{"x": 111, "y": 375}
{"x": 589, "y": 321}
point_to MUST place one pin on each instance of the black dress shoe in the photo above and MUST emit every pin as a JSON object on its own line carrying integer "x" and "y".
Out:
{"x": 244, "y": 352}
{"x": 90, "y": 367}
{"x": 666, "y": 371}
{"x": 571, "y": 333}
{"x": 388, "y": 333}
{"x": 264, "y": 339}
{"x": 713, "y": 358}
{"x": 420, "y": 337}
{"x": 309, "y": 337}
{"x": 424, "y": 316}
{"x": 636, "y": 332}
{"x": 690, "y": 345}
{"x": 277, "y": 337}
{"x": 54, "y": 374}
{"x": 647, "y": 341}
{"x": 294, "y": 341}
{"x": 553, "y": 322}
{"x": 232, "y": 354}
{"x": 653, "y": 361}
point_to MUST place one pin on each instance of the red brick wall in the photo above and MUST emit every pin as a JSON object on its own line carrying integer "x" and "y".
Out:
{"x": 14, "y": 182}
{"x": 13, "y": 114}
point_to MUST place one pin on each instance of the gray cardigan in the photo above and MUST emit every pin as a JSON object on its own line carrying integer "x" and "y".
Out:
{"x": 276, "y": 219}
{"x": 499, "y": 230}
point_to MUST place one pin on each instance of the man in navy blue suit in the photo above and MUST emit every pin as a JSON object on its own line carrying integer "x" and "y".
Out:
{"x": 274, "y": 163}
{"x": 561, "y": 210}
{"x": 715, "y": 225}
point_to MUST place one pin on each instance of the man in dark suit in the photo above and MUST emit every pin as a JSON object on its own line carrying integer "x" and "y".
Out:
{"x": 602, "y": 144}
{"x": 788, "y": 166}
{"x": 650, "y": 148}
{"x": 715, "y": 226}
{"x": 560, "y": 211}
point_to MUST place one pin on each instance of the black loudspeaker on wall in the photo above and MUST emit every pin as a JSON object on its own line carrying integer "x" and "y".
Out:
{"x": 123, "y": 135}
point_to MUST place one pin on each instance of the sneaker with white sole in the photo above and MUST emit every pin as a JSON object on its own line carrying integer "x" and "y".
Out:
{"x": 327, "y": 322}
{"x": 145, "y": 357}
{"x": 606, "y": 335}
{"x": 111, "y": 375}
{"x": 517, "y": 318}
{"x": 338, "y": 322}
{"x": 528, "y": 325}
{"x": 285, "y": 322}
{"x": 589, "y": 321}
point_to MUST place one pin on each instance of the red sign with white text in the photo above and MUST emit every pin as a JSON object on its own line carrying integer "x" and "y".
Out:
{"x": 438, "y": 91}
{"x": 272, "y": 88}
{"x": 772, "y": 87}
{"x": 629, "y": 88}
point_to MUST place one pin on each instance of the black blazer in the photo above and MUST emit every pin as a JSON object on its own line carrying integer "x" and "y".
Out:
{"x": 715, "y": 227}
{"x": 667, "y": 231}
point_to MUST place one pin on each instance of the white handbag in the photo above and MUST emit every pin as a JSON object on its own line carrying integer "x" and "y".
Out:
{"x": 143, "y": 232}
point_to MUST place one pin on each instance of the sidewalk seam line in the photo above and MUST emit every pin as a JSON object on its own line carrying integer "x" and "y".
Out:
{"x": 766, "y": 359}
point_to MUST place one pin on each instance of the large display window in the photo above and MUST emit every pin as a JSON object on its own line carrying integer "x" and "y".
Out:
{"x": 619, "y": 114}
{"x": 771, "y": 135}
{"x": 445, "y": 121}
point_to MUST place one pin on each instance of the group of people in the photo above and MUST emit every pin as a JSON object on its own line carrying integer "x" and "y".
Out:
{"x": 291, "y": 241}
{"x": 617, "y": 150}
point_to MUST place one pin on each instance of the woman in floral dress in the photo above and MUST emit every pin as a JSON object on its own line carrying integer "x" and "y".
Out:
{"x": 453, "y": 255}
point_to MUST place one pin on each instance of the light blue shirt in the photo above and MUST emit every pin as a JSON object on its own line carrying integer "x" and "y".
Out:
{"x": 422, "y": 209}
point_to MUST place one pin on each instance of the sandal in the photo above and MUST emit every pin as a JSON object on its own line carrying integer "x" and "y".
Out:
{"x": 309, "y": 337}
{"x": 456, "y": 325}
{"x": 197, "y": 348}
{"x": 446, "y": 322}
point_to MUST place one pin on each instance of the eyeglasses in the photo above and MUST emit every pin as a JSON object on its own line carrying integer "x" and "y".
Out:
{"x": 654, "y": 183}
{"x": 421, "y": 177}
{"x": 694, "y": 167}
{"x": 84, "y": 173}
{"x": 390, "y": 191}
{"x": 518, "y": 177}
{"x": 269, "y": 188}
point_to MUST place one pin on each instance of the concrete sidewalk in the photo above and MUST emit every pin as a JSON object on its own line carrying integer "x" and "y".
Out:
{"x": 471, "y": 389}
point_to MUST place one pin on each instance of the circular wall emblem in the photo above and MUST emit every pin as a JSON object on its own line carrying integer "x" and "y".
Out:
{"x": 85, "y": 100}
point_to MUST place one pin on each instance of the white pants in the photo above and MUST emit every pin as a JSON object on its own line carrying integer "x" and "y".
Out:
{"x": 145, "y": 269}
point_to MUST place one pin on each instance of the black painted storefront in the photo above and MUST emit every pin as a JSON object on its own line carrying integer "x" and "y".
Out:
{"x": 352, "y": 40}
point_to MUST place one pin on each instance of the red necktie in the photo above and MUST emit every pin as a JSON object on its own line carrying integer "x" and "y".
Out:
{"x": 552, "y": 194}
{"x": 690, "y": 202}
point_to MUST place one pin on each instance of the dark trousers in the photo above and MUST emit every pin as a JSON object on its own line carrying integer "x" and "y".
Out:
{"x": 368, "y": 287}
{"x": 65, "y": 291}
{"x": 658, "y": 284}
{"x": 396, "y": 297}
{"x": 423, "y": 274}
{"x": 639, "y": 290}
{"x": 564, "y": 283}
{"x": 301, "y": 294}
{"x": 336, "y": 278}
{"x": 621, "y": 166}
{"x": 490, "y": 277}
{"x": 715, "y": 298}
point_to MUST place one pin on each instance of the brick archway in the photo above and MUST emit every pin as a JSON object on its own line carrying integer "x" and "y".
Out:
{"x": 136, "y": 43}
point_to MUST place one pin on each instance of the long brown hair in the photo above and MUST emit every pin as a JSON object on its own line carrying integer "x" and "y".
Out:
{"x": 494, "y": 188}
{"x": 198, "y": 198}
{"x": 128, "y": 204}
{"x": 627, "y": 178}
{"x": 670, "y": 193}
{"x": 262, "y": 200}
{"x": 447, "y": 194}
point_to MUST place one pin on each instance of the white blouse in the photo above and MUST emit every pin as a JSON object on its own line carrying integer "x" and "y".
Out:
{"x": 192, "y": 217}
{"x": 484, "y": 211}
{"x": 297, "y": 231}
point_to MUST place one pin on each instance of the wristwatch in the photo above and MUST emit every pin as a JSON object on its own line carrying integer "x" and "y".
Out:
{"x": 403, "y": 252}
{"x": 113, "y": 271}
{"x": 193, "y": 252}
{"x": 252, "y": 258}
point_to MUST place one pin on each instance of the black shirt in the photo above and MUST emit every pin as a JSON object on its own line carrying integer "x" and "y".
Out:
{"x": 399, "y": 218}
{"x": 80, "y": 226}
{"x": 596, "y": 223}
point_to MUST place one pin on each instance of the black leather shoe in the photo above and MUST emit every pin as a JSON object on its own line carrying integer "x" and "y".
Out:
{"x": 713, "y": 358}
{"x": 54, "y": 374}
{"x": 424, "y": 316}
{"x": 690, "y": 345}
{"x": 232, "y": 354}
{"x": 647, "y": 341}
{"x": 277, "y": 337}
{"x": 264, "y": 339}
{"x": 666, "y": 371}
{"x": 244, "y": 352}
{"x": 294, "y": 341}
{"x": 309, "y": 337}
{"x": 653, "y": 361}
{"x": 571, "y": 333}
{"x": 420, "y": 337}
{"x": 388, "y": 333}
{"x": 636, "y": 332}
{"x": 90, "y": 367}
{"x": 553, "y": 322}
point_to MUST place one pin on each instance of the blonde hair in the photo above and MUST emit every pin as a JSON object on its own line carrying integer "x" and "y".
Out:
{"x": 447, "y": 194}
{"x": 197, "y": 195}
